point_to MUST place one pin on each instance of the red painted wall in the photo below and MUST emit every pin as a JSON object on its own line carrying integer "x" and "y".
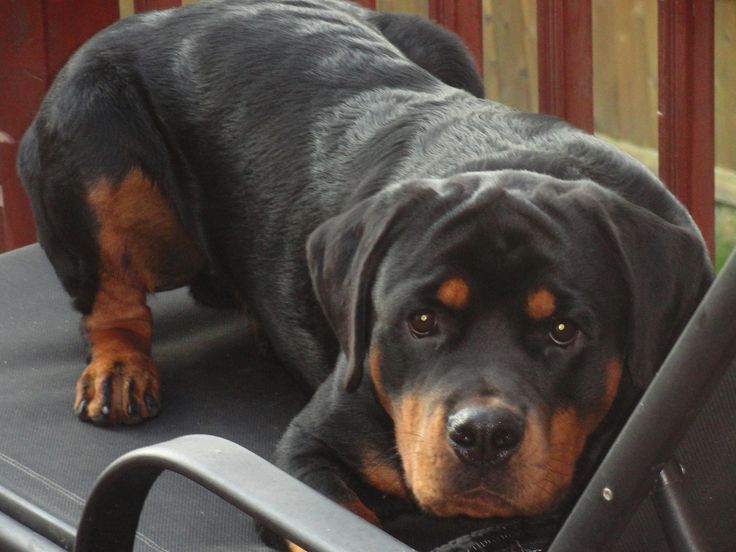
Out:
{"x": 36, "y": 38}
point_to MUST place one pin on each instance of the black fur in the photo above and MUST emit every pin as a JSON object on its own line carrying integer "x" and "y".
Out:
{"x": 262, "y": 121}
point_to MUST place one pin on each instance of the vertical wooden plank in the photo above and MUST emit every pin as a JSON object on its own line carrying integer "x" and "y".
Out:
{"x": 416, "y": 7}
{"x": 36, "y": 37}
{"x": 147, "y": 5}
{"x": 686, "y": 97}
{"x": 509, "y": 52}
{"x": 127, "y": 7}
{"x": 625, "y": 87}
{"x": 531, "y": 54}
{"x": 627, "y": 61}
{"x": 607, "y": 116}
{"x": 725, "y": 83}
{"x": 464, "y": 17}
{"x": 68, "y": 25}
{"x": 565, "y": 45}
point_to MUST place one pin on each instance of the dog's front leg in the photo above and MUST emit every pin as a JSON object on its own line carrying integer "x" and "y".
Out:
{"x": 313, "y": 459}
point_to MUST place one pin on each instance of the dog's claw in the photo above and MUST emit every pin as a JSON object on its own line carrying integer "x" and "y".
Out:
{"x": 118, "y": 390}
{"x": 81, "y": 409}
{"x": 106, "y": 394}
{"x": 104, "y": 409}
{"x": 134, "y": 411}
{"x": 151, "y": 404}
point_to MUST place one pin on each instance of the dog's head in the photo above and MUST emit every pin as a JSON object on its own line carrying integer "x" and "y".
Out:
{"x": 499, "y": 317}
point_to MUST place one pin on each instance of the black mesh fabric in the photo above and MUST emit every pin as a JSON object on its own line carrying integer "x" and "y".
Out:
{"x": 707, "y": 453}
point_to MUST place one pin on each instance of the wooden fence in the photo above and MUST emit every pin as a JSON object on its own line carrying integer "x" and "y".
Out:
{"x": 625, "y": 67}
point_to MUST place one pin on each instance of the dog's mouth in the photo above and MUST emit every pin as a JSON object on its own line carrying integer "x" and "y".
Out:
{"x": 478, "y": 503}
{"x": 483, "y": 493}
{"x": 529, "y": 481}
{"x": 483, "y": 501}
{"x": 495, "y": 460}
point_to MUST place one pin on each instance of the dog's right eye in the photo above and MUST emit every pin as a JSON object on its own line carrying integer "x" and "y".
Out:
{"x": 563, "y": 333}
{"x": 423, "y": 323}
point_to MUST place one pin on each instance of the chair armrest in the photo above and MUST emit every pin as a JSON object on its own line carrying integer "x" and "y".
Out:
{"x": 240, "y": 477}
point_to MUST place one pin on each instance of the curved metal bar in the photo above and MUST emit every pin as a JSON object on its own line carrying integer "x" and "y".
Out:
{"x": 235, "y": 474}
{"x": 36, "y": 519}
{"x": 16, "y": 537}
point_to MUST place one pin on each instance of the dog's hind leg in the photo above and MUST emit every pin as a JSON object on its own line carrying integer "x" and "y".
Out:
{"x": 142, "y": 248}
{"x": 112, "y": 198}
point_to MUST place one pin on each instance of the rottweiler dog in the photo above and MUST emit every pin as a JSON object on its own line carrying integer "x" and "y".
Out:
{"x": 477, "y": 295}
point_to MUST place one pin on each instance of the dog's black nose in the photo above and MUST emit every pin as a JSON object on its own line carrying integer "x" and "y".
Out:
{"x": 485, "y": 435}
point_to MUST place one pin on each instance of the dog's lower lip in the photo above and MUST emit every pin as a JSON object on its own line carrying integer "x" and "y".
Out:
{"x": 477, "y": 502}
{"x": 484, "y": 493}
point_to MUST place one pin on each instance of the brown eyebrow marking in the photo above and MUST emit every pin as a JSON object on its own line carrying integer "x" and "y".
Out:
{"x": 540, "y": 304}
{"x": 453, "y": 293}
{"x": 374, "y": 361}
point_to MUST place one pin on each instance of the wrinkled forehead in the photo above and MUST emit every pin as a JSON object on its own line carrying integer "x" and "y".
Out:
{"x": 506, "y": 231}
{"x": 475, "y": 225}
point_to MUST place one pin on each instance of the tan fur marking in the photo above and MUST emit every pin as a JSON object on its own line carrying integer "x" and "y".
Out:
{"x": 530, "y": 484}
{"x": 613, "y": 378}
{"x": 540, "y": 304}
{"x": 453, "y": 293}
{"x": 295, "y": 547}
{"x": 422, "y": 444}
{"x": 534, "y": 478}
{"x": 142, "y": 248}
{"x": 544, "y": 465}
{"x": 119, "y": 334}
{"x": 407, "y": 421}
{"x": 382, "y": 476}
{"x": 546, "y": 462}
{"x": 374, "y": 361}
{"x": 140, "y": 237}
{"x": 360, "y": 509}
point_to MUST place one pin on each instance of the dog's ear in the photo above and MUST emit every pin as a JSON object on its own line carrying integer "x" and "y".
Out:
{"x": 667, "y": 270}
{"x": 343, "y": 256}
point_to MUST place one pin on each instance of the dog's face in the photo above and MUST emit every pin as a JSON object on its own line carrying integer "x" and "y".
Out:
{"x": 496, "y": 353}
{"x": 496, "y": 316}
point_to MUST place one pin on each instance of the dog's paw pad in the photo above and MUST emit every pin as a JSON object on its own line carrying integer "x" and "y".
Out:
{"x": 118, "y": 390}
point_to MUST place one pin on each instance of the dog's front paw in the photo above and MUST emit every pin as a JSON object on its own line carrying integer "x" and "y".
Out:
{"x": 118, "y": 389}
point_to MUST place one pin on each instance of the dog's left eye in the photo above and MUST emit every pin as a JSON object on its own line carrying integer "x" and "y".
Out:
{"x": 423, "y": 323}
{"x": 563, "y": 333}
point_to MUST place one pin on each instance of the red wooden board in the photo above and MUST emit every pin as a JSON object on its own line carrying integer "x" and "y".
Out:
{"x": 565, "y": 49}
{"x": 464, "y": 17}
{"x": 23, "y": 73}
{"x": 36, "y": 38}
{"x": 686, "y": 97}
{"x": 371, "y": 4}
{"x": 146, "y": 5}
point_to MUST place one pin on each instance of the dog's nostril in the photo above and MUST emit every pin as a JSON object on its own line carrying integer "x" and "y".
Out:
{"x": 485, "y": 435}
{"x": 463, "y": 435}
{"x": 505, "y": 438}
